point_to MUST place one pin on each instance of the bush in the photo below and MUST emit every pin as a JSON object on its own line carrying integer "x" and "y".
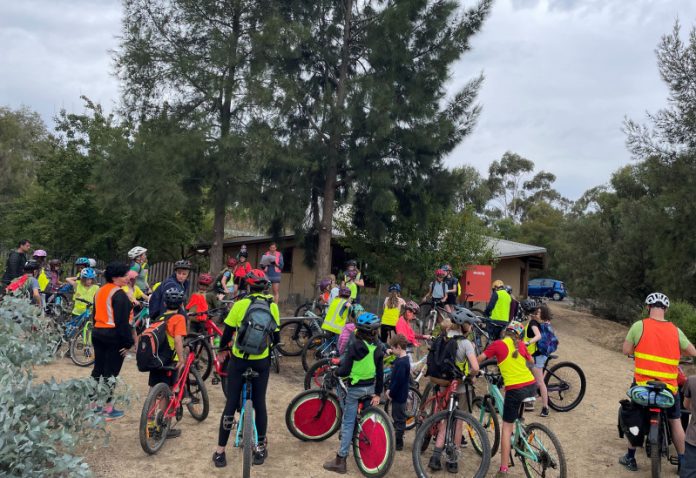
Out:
{"x": 683, "y": 315}
{"x": 41, "y": 423}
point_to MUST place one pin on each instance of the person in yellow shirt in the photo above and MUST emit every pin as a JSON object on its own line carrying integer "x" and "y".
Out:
{"x": 85, "y": 289}
{"x": 392, "y": 311}
{"x": 134, "y": 293}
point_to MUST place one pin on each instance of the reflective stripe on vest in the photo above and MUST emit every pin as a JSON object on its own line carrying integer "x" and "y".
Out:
{"x": 365, "y": 368}
{"x": 501, "y": 311}
{"x": 103, "y": 306}
{"x": 514, "y": 370}
{"x": 334, "y": 322}
{"x": 391, "y": 315}
{"x": 657, "y": 354}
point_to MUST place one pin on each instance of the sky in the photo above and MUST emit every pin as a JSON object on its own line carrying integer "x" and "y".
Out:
{"x": 560, "y": 75}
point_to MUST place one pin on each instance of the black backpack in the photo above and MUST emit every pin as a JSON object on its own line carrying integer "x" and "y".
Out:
{"x": 153, "y": 347}
{"x": 256, "y": 327}
{"x": 442, "y": 356}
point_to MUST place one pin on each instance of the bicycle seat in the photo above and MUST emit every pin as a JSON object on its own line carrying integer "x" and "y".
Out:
{"x": 657, "y": 385}
{"x": 529, "y": 400}
{"x": 439, "y": 381}
{"x": 250, "y": 373}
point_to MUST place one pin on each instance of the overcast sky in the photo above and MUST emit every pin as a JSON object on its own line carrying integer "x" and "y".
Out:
{"x": 560, "y": 74}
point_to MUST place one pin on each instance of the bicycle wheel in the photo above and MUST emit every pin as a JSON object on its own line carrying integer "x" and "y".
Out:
{"x": 550, "y": 460}
{"x": 314, "y": 377}
{"x": 461, "y": 460}
{"x": 655, "y": 459}
{"x": 294, "y": 334}
{"x": 314, "y": 415}
{"x": 489, "y": 420}
{"x": 373, "y": 442}
{"x": 413, "y": 403}
{"x": 199, "y": 406}
{"x": 81, "y": 350}
{"x": 565, "y": 382}
{"x": 315, "y": 349}
{"x": 153, "y": 425}
{"x": 247, "y": 438}
{"x": 204, "y": 356}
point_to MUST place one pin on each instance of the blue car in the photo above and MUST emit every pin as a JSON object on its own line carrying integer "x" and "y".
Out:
{"x": 550, "y": 288}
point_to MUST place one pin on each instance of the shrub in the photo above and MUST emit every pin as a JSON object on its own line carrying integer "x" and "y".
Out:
{"x": 683, "y": 315}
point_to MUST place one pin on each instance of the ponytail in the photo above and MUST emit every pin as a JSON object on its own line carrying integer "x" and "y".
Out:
{"x": 517, "y": 340}
{"x": 393, "y": 300}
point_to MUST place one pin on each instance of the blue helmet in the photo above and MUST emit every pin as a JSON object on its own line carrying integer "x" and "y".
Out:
{"x": 356, "y": 310}
{"x": 395, "y": 288}
{"x": 88, "y": 273}
{"x": 82, "y": 261}
{"x": 368, "y": 322}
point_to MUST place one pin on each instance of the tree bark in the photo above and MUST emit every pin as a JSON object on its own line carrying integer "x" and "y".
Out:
{"x": 216, "y": 250}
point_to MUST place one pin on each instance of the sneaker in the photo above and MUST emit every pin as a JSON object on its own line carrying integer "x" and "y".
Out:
{"x": 399, "y": 444}
{"x": 452, "y": 467}
{"x": 112, "y": 415}
{"x": 544, "y": 412}
{"x": 173, "y": 433}
{"x": 628, "y": 462}
{"x": 529, "y": 406}
{"x": 435, "y": 463}
{"x": 260, "y": 453}
{"x": 219, "y": 459}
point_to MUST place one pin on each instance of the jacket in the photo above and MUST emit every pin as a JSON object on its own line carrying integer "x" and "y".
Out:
{"x": 14, "y": 267}
{"x": 157, "y": 306}
{"x": 357, "y": 350}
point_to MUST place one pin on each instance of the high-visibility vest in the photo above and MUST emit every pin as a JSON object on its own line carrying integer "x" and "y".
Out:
{"x": 501, "y": 311}
{"x": 514, "y": 370}
{"x": 531, "y": 348}
{"x": 335, "y": 321}
{"x": 390, "y": 316}
{"x": 103, "y": 306}
{"x": 657, "y": 354}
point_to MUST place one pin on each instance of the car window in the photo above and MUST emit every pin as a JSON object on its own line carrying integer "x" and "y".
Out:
{"x": 535, "y": 282}
{"x": 547, "y": 283}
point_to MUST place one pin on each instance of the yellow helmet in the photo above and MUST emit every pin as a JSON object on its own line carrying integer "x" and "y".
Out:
{"x": 498, "y": 284}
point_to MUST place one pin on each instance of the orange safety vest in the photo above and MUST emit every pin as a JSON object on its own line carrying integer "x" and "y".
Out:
{"x": 103, "y": 306}
{"x": 657, "y": 354}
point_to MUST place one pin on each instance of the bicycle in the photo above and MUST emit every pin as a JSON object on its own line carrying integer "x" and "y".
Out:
{"x": 164, "y": 404}
{"x": 317, "y": 307}
{"x": 80, "y": 347}
{"x": 141, "y": 321}
{"x": 246, "y": 436}
{"x": 455, "y": 425}
{"x": 537, "y": 456}
{"x": 436, "y": 312}
{"x": 562, "y": 381}
{"x": 56, "y": 301}
{"x": 71, "y": 329}
{"x": 318, "y": 347}
{"x": 295, "y": 333}
{"x": 316, "y": 414}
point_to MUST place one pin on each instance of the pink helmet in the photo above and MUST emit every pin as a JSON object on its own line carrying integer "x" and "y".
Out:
{"x": 40, "y": 253}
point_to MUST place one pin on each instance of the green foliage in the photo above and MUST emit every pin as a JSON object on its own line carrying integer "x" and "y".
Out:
{"x": 42, "y": 422}
{"x": 683, "y": 315}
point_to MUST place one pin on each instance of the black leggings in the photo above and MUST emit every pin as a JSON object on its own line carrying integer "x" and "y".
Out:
{"x": 384, "y": 331}
{"x": 235, "y": 382}
{"x": 107, "y": 360}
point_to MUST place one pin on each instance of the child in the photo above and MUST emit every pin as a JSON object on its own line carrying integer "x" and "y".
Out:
{"x": 364, "y": 377}
{"x": 325, "y": 286}
{"x": 398, "y": 388}
{"x": 224, "y": 284}
{"x": 27, "y": 285}
{"x": 198, "y": 303}
{"x": 134, "y": 293}
{"x": 392, "y": 309}
{"x": 240, "y": 271}
{"x": 40, "y": 258}
{"x": 532, "y": 335}
{"x": 351, "y": 283}
{"x": 337, "y": 313}
{"x": 403, "y": 325}
{"x": 85, "y": 289}
{"x": 53, "y": 275}
{"x": 513, "y": 359}
{"x": 334, "y": 288}
{"x": 349, "y": 328}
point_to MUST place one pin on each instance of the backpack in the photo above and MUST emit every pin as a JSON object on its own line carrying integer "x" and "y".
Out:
{"x": 442, "y": 356}
{"x": 218, "y": 279}
{"x": 153, "y": 347}
{"x": 443, "y": 286}
{"x": 548, "y": 343}
{"x": 18, "y": 286}
{"x": 256, "y": 327}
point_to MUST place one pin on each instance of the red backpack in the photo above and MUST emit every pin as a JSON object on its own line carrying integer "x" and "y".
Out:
{"x": 16, "y": 287}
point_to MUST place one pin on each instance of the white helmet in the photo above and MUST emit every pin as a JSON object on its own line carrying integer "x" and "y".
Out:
{"x": 657, "y": 299}
{"x": 137, "y": 251}
{"x": 92, "y": 262}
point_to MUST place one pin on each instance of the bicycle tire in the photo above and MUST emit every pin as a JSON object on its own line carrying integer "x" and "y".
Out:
{"x": 488, "y": 418}
{"x": 151, "y": 416}
{"x": 203, "y": 352}
{"x": 275, "y": 361}
{"x": 81, "y": 346}
{"x": 656, "y": 453}
{"x": 247, "y": 438}
{"x": 424, "y": 431}
{"x": 313, "y": 415}
{"x": 374, "y": 443}
{"x": 314, "y": 376}
{"x": 294, "y": 334}
{"x": 554, "y": 383}
{"x": 532, "y": 430}
{"x": 197, "y": 391}
{"x": 309, "y": 352}
{"x": 415, "y": 398}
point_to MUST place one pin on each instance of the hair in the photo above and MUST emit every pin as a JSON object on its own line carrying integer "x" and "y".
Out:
{"x": 23, "y": 242}
{"x": 399, "y": 340}
{"x": 273, "y": 244}
{"x": 545, "y": 313}
{"x": 445, "y": 326}
{"x": 365, "y": 335}
{"x": 393, "y": 300}
{"x": 115, "y": 269}
{"x": 515, "y": 338}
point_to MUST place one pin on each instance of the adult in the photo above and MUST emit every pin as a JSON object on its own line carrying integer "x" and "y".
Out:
{"x": 178, "y": 279}
{"x": 498, "y": 309}
{"x": 111, "y": 336}
{"x": 272, "y": 264}
{"x": 138, "y": 257}
{"x": 14, "y": 267}
{"x": 452, "y": 288}
{"x": 657, "y": 345}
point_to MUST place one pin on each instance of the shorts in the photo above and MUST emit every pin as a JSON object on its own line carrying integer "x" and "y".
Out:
{"x": 451, "y": 299}
{"x": 540, "y": 361}
{"x": 688, "y": 467}
{"x": 513, "y": 400}
{"x": 274, "y": 279}
{"x": 162, "y": 376}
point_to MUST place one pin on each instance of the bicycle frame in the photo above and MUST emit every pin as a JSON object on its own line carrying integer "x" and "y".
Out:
{"x": 179, "y": 388}
{"x": 243, "y": 416}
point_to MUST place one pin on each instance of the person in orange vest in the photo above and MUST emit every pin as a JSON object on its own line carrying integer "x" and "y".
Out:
{"x": 657, "y": 346}
{"x": 111, "y": 337}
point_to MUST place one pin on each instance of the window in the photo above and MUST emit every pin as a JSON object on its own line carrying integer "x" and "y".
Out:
{"x": 287, "y": 259}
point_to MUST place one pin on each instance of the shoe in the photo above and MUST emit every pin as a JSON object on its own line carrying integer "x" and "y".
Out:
{"x": 435, "y": 464}
{"x": 112, "y": 415}
{"x": 260, "y": 453}
{"x": 544, "y": 412}
{"x": 337, "y": 465}
{"x": 399, "y": 443}
{"x": 452, "y": 467}
{"x": 529, "y": 406}
{"x": 219, "y": 459}
{"x": 628, "y": 462}
{"x": 173, "y": 433}
{"x": 463, "y": 443}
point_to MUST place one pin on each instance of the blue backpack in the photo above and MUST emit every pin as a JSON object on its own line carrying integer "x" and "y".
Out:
{"x": 548, "y": 343}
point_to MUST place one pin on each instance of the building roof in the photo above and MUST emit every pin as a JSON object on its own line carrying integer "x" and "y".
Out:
{"x": 504, "y": 249}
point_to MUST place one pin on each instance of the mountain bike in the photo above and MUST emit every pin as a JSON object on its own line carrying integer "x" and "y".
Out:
{"x": 295, "y": 333}
{"x": 71, "y": 328}
{"x": 318, "y": 347}
{"x": 246, "y": 435}
{"x": 141, "y": 320}
{"x": 165, "y": 405}
{"x": 565, "y": 383}
{"x": 316, "y": 414}
{"x": 57, "y": 301}
{"x": 80, "y": 347}
{"x": 434, "y": 315}
{"x": 317, "y": 307}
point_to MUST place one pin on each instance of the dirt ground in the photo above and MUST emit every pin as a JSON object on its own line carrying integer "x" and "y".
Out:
{"x": 588, "y": 433}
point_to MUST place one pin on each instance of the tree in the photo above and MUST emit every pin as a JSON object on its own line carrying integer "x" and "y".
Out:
{"x": 362, "y": 93}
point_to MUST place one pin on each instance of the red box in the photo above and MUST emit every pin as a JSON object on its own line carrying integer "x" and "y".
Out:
{"x": 476, "y": 281}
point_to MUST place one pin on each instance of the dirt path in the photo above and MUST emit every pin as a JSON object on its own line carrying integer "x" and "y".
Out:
{"x": 588, "y": 433}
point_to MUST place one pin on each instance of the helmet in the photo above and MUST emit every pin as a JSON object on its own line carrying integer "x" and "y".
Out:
{"x": 344, "y": 292}
{"x": 352, "y": 274}
{"x": 463, "y": 316}
{"x": 356, "y": 310}
{"x": 231, "y": 262}
{"x": 440, "y": 273}
{"x": 257, "y": 280}
{"x": 182, "y": 264}
{"x": 446, "y": 268}
{"x": 173, "y": 297}
{"x": 351, "y": 262}
{"x": 395, "y": 288}
{"x": 92, "y": 262}
{"x": 205, "y": 279}
{"x": 132, "y": 275}
{"x": 657, "y": 299}
{"x": 367, "y": 322}
{"x": 137, "y": 251}
{"x": 515, "y": 327}
{"x": 31, "y": 265}
{"x": 243, "y": 253}
{"x": 81, "y": 261}
{"x": 324, "y": 283}
{"x": 529, "y": 305}
{"x": 412, "y": 306}
{"x": 55, "y": 263}
{"x": 88, "y": 273}
{"x": 39, "y": 253}
{"x": 497, "y": 284}
{"x": 508, "y": 289}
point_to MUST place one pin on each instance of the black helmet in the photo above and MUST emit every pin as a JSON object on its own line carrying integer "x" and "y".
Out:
{"x": 243, "y": 254}
{"x": 31, "y": 265}
{"x": 173, "y": 297}
{"x": 182, "y": 264}
{"x": 351, "y": 262}
{"x": 462, "y": 315}
{"x": 529, "y": 305}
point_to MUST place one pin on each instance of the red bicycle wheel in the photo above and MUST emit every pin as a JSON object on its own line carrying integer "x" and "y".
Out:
{"x": 373, "y": 446}
{"x": 313, "y": 415}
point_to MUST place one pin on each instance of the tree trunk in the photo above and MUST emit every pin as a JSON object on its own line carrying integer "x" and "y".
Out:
{"x": 216, "y": 250}
{"x": 326, "y": 224}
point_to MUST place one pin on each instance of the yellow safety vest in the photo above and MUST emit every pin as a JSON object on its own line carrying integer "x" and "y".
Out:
{"x": 335, "y": 321}
{"x": 514, "y": 370}
{"x": 390, "y": 316}
{"x": 501, "y": 311}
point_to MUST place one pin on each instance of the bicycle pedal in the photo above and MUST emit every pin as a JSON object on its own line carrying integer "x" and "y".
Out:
{"x": 674, "y": 460}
